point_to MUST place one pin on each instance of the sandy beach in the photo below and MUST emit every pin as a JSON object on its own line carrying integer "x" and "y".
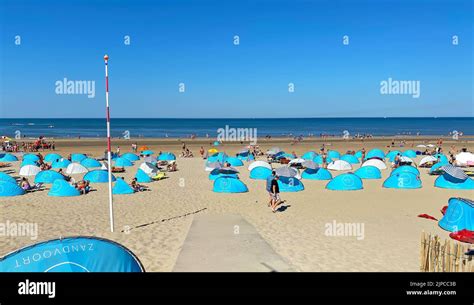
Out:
{"x": 154, "y": 224}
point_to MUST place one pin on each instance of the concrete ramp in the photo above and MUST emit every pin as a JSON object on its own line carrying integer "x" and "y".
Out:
{"x": 226, "y": 243}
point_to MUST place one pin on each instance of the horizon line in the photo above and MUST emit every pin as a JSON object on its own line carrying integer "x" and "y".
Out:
{"x": 248, "y": 118}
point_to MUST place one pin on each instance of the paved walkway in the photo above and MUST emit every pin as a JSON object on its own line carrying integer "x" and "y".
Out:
{"x": 219, "y": 243}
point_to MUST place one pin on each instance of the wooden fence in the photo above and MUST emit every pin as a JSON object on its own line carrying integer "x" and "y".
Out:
{"x": 444, "y": 256}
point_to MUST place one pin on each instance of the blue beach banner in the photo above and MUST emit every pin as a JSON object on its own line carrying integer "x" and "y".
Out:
{"x": 72, "y": 254}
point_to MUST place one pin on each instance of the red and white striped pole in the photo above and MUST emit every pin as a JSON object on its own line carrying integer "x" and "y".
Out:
{"x": 109, "y": 157}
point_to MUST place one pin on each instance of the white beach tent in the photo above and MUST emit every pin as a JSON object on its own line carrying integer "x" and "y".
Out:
{"x": 339, "y": 165}
{"x": 259, "y": 164}
{"x": 427, "y": 159}
{"x": 375, "y": 162}
{"x": 296, "y": 161}
{"x": 421, "y": 146}
{"x": 76, "y": 168}
{"x": 29, "y": 170}
{"x": 405, "y": 159}
{"x": 465, "y": 158}
{"x": 149, "y": 168}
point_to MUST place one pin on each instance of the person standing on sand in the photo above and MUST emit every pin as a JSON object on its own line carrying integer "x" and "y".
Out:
{"x": 201, "y": 151}
{"x": 118, "y": 151}
{"x": 269, "y": 187}
{"x": 324, "y": 157}
{"x": 275, "y": 193}
{"x": 363, "y": 155}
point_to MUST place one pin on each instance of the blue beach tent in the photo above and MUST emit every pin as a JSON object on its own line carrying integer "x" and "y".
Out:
{"x": 166, "y": 156}
{"x": 147, "y": 152}
{"x": 319, "y": 159}
{"x": 48, "y": 177}
{"x": 260, "y": 173}
{"x": 333, "y": 154}
{"x": 226, "y": 184}
{"x": 8, "y": 158}
{"x": 142, "y": 177}
{"x": 290, "y": 184}
{"x": 130, "y": 156}
{"x": 72, "y": 254}
{"x": 78, "y": 157}
{"x": 90, "y": 163}
{"x": 234, "y": 161}
{"x": 216, "y": 173}
{"x": 245, "y": 156}
{"x": 442, "y": 158}
{"x": 403, "y": 180}
{"x": 123, "y": 162}
{"x": 345, "y": 182}
{"x": 98, "y": 176}
{"x": 52, "y": 157}
{"x": 447, "y": 182}
{"x": 316, "y": 174}
{"x": 405, "y": 169}
{"x": 30, "y": 157}
{"x": 6, "y": 177}
{"x": 122, "y": 188}
{"x": 351, "y": 159}
{"x": 368, "y": 172}
{"x": 459, "y": 215}
{"x": 61, "y": 163}
{"x": 61, "y": 188}
{"x": 409, "y": 153}
{"x": 8, "y": 189}
{"x": 28, "y": 162}
{"x": 392, "y": 154}
{"x": 358, "y": 154}
{"x": 437, "y": 167}
{"x": 375, "y": 153}
{"x": 309, "y": 155}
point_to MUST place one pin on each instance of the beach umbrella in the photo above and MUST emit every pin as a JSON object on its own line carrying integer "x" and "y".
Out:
{"x": 454, "y": 172}
{"x": 52, "y": 157}
{"x": 90, "y": 163}
{"x": 61, "y": 188}
{"x": 61, "y": 163}
{"x": 122, "y": 188}
{"x": 8, "y": 189}
{"x": 78, "y": 157}
{"x": 286, "y": 171}
{"x": 316, "y": 174}
{"x": 350, "y": 159}
{"x": 368, "y": 172}
{"x": 48, "y": 177}
{"x": 131, "y": 156}
{"x": 6, "y": 177}
{"x": 427, "y": 159}
{"x": 259, "y": 164}
{"x": 76, "y": 168}
{"x": 143, "y": 148}
{"x": 260, "y": 173}
{"x": 149, "y": 168}
{"x": 212, "y": 165}
{"x": 147, "y": 152}
{"x": 465, "y": 158}
{"x": 8, "y": 158}
{"x": 273, "y": 150}
{"x": 123, "y": 162}
{"x": 227, "y": 184}
{"x": 375, "y": 162}
{"x": 345, "y": 182}
{"x": 310, "y": 164}
{"x": 29, "y": 170}
{"x": 339, "y": 165}
{"x": 166, "y": 156}
{"x": 458, "y": 216}
{"x": 98, "y": 176}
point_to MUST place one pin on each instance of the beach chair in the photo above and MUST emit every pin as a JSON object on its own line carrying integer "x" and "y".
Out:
{"x": 34, "y": 188}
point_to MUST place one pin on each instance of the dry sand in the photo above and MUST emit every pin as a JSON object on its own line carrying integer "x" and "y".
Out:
{"x": 392, "y": 228}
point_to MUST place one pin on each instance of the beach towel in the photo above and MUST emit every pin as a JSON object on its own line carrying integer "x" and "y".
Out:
{"x": 463, "y": 236}
{"x": 443, "y": 210}
{"x": 427, "y": 217}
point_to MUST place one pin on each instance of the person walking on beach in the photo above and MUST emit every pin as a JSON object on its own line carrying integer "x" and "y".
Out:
{"x": 275, "y": 193}
{"x": 269, "y": 187}
{"x": 118, "y": 151}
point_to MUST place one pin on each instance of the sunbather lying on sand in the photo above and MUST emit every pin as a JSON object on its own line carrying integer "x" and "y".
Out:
{"x": 137, "y": 187}
{"x": 83, "y": 187}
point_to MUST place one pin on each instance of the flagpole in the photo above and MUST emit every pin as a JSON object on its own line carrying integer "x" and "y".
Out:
{"x": 109, "y": 157}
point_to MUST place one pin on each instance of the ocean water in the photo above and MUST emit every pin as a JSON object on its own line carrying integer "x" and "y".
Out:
{"x": 64, "y": 128}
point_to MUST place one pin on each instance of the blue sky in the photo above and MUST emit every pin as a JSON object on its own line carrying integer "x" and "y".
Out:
{"x": 280, "y": 42}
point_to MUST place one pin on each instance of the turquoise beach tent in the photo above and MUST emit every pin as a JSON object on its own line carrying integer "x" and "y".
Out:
{"x": 226, "y": 184}
{"x": 375, "y": 153}
{"x": 217, "y": 157}
{"x": 351, "y": 159}
{"x": 130, "y": 156}
{"x": 123, "y": 162}
{"x": 392, "y": 154}
{"x": 48, "y": 177}
{"x": 309, "y": 155}
{"x": 447, "y": 182}
{"x": 28, "y": 162}
{"x": 72, "y": 254}
{"x": 214, "y": 174}
{"x": 8, "y": 189}
{"x": 459, "y": 215}
{"x": 437, "y": 167}
{"x": 234, "y": 161}
{"x": 246, "y": 156}
{"x": 142, "y": 177}
{"x": 52, "y": 157}
{"x": 8, "y": 158}
{"x": 333, "y": 154}
{"x": 405, "y": 169}
{"x": 122, "y": 188}
{"x": 316, "y": 174}
{"x": 290, "y": 184}
{"x": 216, "y": 143}
{"x": 368, "y": 172}
{"x": 260, "y": 173}
{"x": 442, "y": 158}
{"x": 30, "y": 157}
{"x": 403, "y": 180}
{"x": 98, "y": 176}
{"x": 409, "y": 153}
{"x": 166, "y": 156}
{"x": 358, "y": 154}
{"x": 90, "y": 163}
{"x": 147, "y": 152}
{"x": 78, "y": 157}
{"x": 345, "y": 182}
{"x": 6, "y": 177}
{"x": 319, "y": 159}
{"x": 61, "y": 188}
{"x": 61, "y": 163}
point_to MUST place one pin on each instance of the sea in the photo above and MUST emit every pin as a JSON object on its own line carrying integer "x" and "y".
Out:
{"x": 275, "y": 127}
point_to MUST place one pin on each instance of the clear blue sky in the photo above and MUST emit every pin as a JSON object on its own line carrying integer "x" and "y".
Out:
{"x": 280, "y": 42}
